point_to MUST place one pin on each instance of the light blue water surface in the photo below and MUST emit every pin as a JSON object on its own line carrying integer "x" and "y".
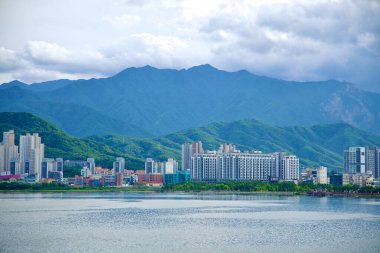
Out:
{"x": 154, "y": 222}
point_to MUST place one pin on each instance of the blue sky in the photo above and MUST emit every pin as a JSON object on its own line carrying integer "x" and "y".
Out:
{"x": 298, "y": 40}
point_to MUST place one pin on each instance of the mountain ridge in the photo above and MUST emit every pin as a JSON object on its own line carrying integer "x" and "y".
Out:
{"x": 161, "y": 101}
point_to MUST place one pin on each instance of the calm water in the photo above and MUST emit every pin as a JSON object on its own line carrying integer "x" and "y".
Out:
{"x": 150, "y": 222}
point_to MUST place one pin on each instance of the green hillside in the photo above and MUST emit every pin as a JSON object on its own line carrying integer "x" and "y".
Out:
{"x": 57, "y": 142}
{"x": 315, "y": 145}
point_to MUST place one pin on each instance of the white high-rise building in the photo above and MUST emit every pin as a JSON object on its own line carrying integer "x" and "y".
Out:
{"x": 204, "y": 167}
{"x": 85, "y": 172}
{"x": 31, "y": 154}
{"x": 217, "y": 166}
{"x": 322, "y": 175}
{"x": 227, "y": 148}
{"x": 119, "y": 165}
{"x": 171, "y": 166}
{"x": 290, "y": 168}
{"x": 8, "y": 152}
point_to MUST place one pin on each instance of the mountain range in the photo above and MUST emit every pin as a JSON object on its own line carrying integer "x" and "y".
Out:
{"x": 147, "y": 102}
{"x": 315, "y": 145}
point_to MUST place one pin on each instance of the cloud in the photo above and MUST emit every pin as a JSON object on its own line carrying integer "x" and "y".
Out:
{"x": 295, "y": 40}
{"x": 9, "y": 60}
{"x": 122, "y": 21}
{"x": 303, "y": 41}
{"x": 45, "y": 53}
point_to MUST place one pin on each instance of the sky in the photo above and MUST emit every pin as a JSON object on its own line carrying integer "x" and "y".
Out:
{"x": 299, "y": 40}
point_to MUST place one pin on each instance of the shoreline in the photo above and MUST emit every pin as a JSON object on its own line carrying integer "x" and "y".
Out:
{"x": 158, "y": 190}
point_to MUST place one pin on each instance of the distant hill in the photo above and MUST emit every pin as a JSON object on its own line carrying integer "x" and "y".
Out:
{"x": 315, "y": 145}
{"x": 79, "y": 120}
{"x": 57, "y": 142}
{"x": 148, "y": 101}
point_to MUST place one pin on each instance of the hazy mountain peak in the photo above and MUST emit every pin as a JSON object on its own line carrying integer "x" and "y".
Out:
{"x": 14, "y": 83}
{"x": 203, "y": 67}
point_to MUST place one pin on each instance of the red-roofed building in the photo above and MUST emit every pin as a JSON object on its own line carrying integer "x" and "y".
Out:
{"x": 150, "y": 179}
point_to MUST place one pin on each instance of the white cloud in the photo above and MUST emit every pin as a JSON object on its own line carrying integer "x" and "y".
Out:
{"x": 9, "y": 60}
{"x": 298, "y": 40}
{"x": 42, "y": 52}
{"x": 122, "y": 21}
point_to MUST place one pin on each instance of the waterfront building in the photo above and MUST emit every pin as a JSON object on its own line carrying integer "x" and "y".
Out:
{"x": 218, "y": 166}
{"x": 59, "y": 164}
{"x": 150, "y": 179}
{"x": 182, "y": 176}
{"x": 289, "y": 168}
{"x": 372, "y": 161}
{"x": 204, "y": 167}
{"x": 188, "y": 150}
{"x": 119, "y": 165}
{"x": 90, "y": 163}
{"x": 78, "y": 181}
{"x": 15, "y": 167}
{"x": 86, "y": 172}
{"x": 150, "y": 165}
{"x": 339, "y": 179}
{"x": 322, "y": 175}
{"x": 56, "y": 175}
{"x": 119, "y": 179}
{"x": 362, "y": 160}
{"x": 109, "y": 180}
{"x": 8, "y": 152}
{"x": 47, "y": 164}
{"x": 315, "y": 175}
{"x": 354, "y": 160}
{"x": 159, "y": 167}
{"x": 170, "y": 166}
{"x": 31, "y": 154}
{"x": 155, "y": 167}
{"x": 361, "y": 179}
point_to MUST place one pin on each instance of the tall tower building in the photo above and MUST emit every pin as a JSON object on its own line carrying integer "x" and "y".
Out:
{"x": 32, "y": 152}
{"x": 290, "y": 168}
{"x": 355, "y": 160}
{"x": 119, "y": 165}
{"x": 171, "y": 166}
{"x": 372, "y": 161}
{"x": 188, "y": 150}
{"x": 59, "y": 164}
{"x": 47, "y": 165}
{"x": 90, "y": 163}
{"x": 149, "y": 166}
{"x": 8, "y": 152}
{"x": 377, "y": 167}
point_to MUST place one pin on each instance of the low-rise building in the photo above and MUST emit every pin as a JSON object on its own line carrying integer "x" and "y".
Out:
{"x": 150, "y": 179}
{"x": 177, "y": 178}
{"x": 315, "y": 175}
{"x": 340, "y": 179}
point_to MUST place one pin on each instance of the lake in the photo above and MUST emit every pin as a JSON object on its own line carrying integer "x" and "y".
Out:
{"x": 156, "y": 222}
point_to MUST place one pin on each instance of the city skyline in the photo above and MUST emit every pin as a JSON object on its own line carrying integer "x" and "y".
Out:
{"x": 361, "y": 166}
